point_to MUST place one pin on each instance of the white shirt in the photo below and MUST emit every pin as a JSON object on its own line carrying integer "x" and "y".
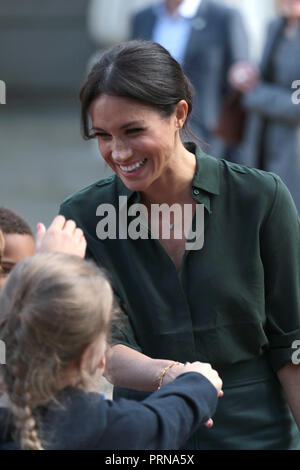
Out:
{"x": 173, "y": 31}
{"x": 189, "y": 8}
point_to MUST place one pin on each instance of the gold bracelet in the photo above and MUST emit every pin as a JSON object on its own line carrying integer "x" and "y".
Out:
{"x": 163, "y": 373}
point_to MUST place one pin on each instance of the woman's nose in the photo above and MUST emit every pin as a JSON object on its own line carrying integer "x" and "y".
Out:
{"x": 121, "y": 153}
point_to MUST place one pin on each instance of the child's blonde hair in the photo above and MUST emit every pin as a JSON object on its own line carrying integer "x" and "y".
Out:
{"x": 52, "y": 307}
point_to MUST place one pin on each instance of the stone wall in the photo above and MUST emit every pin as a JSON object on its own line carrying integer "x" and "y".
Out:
{"x": 44, "y": 46}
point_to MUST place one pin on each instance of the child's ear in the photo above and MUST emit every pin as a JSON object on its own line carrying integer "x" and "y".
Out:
{"x": 102, "y": 363}
{"x": 85, "y": 358}
{"x": 93, "y": 358}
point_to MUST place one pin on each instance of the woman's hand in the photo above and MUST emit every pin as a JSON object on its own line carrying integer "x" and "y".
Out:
{"x": 62, "y": 236}
{"x": 243, "y": 76}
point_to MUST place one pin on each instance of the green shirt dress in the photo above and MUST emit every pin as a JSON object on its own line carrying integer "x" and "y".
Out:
{"x": 234, "y": 303}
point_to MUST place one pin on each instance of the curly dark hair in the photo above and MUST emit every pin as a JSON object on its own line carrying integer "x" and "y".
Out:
{"x": 10, "y": 222}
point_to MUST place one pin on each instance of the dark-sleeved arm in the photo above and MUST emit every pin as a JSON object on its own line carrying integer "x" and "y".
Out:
{"x": 122, "y": 331}
{"x": 273, "y": 102}
{"x": 280, "y": 251}
{"x": 164, "y": 420}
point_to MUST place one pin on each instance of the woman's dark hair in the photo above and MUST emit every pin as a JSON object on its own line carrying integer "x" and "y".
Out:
{"x": 140, "y": 70}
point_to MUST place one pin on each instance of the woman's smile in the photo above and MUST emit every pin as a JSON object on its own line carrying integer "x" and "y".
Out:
{"x": 133, "y": 168}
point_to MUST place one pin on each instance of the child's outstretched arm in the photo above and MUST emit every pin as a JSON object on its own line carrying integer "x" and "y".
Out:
{"x": 163, "y": 421}
{"x": 166, "y": 419}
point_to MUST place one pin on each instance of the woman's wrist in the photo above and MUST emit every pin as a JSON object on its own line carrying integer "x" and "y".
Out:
{"x": 169, "y": 373}
{"x": 163, "y": 373}
{"x": 129, "y": 368}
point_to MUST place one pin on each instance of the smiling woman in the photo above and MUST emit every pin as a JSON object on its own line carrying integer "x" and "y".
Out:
{"x": 135, "y": 117}
{"x": 220, "y": 303}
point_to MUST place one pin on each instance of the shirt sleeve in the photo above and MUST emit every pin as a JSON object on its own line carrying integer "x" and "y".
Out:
{"x": 280, "y": 252}
{"x": 273, "y": 102}
{"x": 122, "y": 331}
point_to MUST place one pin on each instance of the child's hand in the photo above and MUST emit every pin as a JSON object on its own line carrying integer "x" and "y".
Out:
{"x": 211, "y": 374}
{"x": 202, "y": 368}
{"x": 62, "y": 236}
{"x": 205, "y": 369}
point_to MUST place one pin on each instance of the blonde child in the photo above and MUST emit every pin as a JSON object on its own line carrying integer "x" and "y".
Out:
{"x": 55, "y": 315}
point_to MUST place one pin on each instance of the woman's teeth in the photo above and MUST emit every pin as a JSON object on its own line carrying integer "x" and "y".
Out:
{"x": 133, "y": 167}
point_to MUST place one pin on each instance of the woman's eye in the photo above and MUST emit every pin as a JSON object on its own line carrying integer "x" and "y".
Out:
{"x": 105, "y": 136}
{"x": 133, "y": 131}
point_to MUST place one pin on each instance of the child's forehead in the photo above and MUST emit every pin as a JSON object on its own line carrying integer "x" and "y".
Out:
{"x": 17, "y": 247}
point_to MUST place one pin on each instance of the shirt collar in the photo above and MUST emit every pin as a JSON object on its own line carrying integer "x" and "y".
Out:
{"x": 188, "y": 9}
{"x": 206, "y": 181}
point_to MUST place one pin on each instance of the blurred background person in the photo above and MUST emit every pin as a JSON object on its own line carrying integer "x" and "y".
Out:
{"x": 206, "y": 38}
{"x": 272, "y": 137}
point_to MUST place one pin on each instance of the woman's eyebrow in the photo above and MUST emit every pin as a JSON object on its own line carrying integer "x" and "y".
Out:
{"x": 125, "y": 126}
{"x": 133, "y": 123}
{"x": 98, "y": 129}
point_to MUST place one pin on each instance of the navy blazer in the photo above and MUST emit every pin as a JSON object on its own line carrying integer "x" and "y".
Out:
{"x": 217, "y": 40}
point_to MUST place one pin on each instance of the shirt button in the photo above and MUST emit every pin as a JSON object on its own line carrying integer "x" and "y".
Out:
{"x": 196, "y": 192}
